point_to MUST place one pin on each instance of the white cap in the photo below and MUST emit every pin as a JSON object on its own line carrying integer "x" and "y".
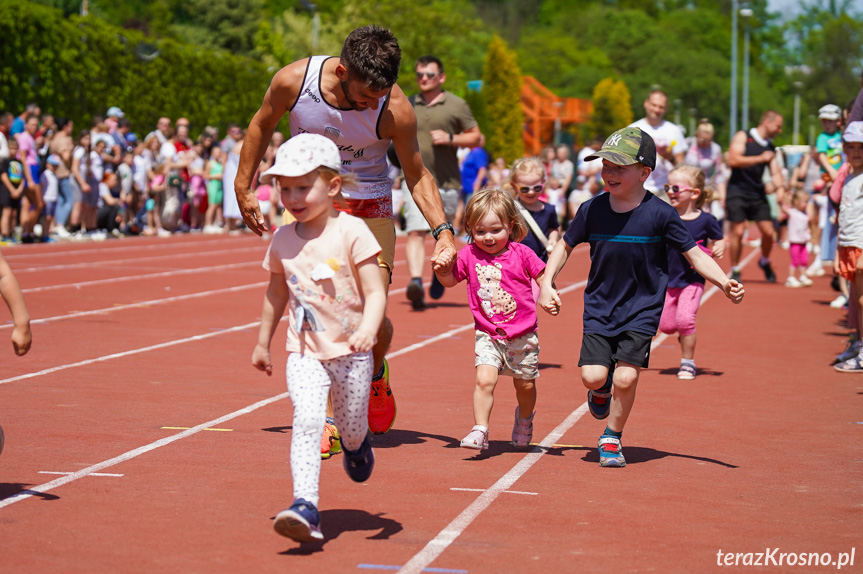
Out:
{"x": 115, "y": 112}
{"x": 302, "y": 154}
{"x": 829, "y": 112}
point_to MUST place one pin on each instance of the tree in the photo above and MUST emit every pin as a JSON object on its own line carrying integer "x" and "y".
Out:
{"x": 612, "y": 108}
{"x": 502, "y": 93}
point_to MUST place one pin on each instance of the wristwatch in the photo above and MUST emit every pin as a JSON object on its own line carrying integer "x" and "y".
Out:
{"x": 442, "y": 227}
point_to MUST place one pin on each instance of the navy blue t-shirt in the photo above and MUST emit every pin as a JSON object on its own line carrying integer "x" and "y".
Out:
{"x": 629, "y": 262}
{"x": 547, "y": 221}
{"x": 702, "y": 228}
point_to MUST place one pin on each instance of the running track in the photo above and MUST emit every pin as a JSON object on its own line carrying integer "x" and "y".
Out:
{"x": 140, "y": 439}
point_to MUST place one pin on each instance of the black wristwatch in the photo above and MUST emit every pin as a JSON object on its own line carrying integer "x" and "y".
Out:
{"x": 440, "y": 228}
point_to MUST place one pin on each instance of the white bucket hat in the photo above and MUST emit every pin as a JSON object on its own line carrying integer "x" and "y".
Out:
{"x": 302, "y": 154}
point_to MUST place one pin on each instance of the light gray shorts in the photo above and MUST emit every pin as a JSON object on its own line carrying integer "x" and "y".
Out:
{"x": 414, "y": 220}
{"x": 518, "y": 357}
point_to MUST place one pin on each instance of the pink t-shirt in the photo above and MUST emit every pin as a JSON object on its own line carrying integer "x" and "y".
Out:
{"x": 27, "y": 147}
{"x": 326, "y": 304}
{"x": 499, "y": 288}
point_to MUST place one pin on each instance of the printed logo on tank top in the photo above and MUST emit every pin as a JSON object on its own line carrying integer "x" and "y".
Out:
{"x": 334, "y": 134}
{"x": 309, "y": 93}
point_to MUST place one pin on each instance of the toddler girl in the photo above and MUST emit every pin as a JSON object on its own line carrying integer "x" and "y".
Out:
{"x": 686, "y": 190}
{"x": 528, "y": 182}
{"x": 499, "y": 272}
{"x": 324, "y": 265}
{"x": 799, "y": 234}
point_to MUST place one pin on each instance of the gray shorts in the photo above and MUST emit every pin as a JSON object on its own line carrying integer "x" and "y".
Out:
{"x": 414, "y": 220}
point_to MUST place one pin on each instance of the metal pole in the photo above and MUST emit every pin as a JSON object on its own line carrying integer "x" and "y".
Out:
{"x": 796, "y": 137}
{"x": 744, "y": 120}
{"x": 732, "y": 120}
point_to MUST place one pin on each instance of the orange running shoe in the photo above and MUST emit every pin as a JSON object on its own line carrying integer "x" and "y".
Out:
{"x": 382, "y": 404}
{"x": 330, "y": 441}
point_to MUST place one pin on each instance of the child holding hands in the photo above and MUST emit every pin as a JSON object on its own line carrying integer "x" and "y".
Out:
{"x": 499, "y": 272}
{"x": 628, "y": 229}
{"x": 688, "y": 195}
{"x": 324, "y": 267}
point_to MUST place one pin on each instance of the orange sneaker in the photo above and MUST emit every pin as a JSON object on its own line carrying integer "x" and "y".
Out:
{"x": 330, "y": 441}
{"x": 382, "y": 404}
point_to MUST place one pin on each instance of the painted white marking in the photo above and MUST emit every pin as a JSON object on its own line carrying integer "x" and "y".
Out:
{"x": 139, "y": 304}
{"x": 454, "y": 529}
{"x": 42, "y": 488}
{"x": 129, "y": 353}
{"x": 505, "y": 491}
{"x": 91, "y": 474}
{"x": 140, "y": 276}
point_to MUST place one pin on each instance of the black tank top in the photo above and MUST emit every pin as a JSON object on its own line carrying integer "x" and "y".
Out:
{"x": 750, "y": 180}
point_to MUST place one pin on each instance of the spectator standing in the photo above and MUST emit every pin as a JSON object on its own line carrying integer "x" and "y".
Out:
{"x": 670, "y": 143}
{"x": 62, "y": 146}
{"x": 5, "y": 127}
{"x": 444, "y": 123}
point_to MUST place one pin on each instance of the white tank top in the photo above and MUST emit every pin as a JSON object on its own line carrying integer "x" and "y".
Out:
{"x": 355, "y": 132}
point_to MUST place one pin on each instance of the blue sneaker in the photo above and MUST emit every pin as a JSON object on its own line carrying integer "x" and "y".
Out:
{"x": 610, "y": 451}
{"x": 415, "y": 293}
{"x": 301, "y": 522}
{"x": 360, "y": 463}
{"x": 437, "y": 289}
{"x": 599, "y": 401}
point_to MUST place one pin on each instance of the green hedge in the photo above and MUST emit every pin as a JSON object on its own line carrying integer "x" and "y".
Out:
{"x": 80, "y": 66}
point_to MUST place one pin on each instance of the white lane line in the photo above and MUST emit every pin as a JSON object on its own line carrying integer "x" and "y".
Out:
{"x": 140, "y": 276}
{"x": 86, "y": 248}
{"x": 130, "y": 353}
{"x": 454, "y": 529}
{"x": 127, "y": 261}
{"x": 150, "y": 303}
{"x": 42, "y": 488}
{"x": 505, "y": 491}
{"x": 91, "y": 474}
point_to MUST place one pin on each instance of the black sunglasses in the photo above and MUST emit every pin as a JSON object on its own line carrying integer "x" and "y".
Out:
{"x": 535, "y": 189}
{"x": 428, "y": 75}
{"x": 675, "y": 188}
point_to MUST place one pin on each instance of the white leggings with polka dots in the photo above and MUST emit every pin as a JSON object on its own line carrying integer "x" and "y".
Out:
{"x": 309, "y": 382}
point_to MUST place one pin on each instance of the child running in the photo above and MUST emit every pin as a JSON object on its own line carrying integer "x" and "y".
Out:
{"x": 628, "y": 229}
{"x": 499, "y": 273}
{"x": 527, "y": 178}
{"x": 325, "y": 266}
{"x": 849, "y": 263}
{"x": 688, "y": 195}
{"x": 799, "y": 234}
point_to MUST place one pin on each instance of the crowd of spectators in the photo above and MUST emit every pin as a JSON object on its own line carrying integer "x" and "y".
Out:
{"x": 104, "y": 180}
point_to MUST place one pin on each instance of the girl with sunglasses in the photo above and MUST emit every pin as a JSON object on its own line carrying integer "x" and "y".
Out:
{"x": 688, "y": 194}
{"x": 527, "y": 180}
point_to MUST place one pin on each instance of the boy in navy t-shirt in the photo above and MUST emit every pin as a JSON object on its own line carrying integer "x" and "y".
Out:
{"x": 629, "y": 231}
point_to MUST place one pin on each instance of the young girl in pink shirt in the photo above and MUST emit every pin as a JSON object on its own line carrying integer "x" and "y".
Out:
{"x": 499, "y": 272}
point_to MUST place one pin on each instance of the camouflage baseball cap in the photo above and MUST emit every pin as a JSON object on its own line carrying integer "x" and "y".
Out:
{"x": 628, "y": 146}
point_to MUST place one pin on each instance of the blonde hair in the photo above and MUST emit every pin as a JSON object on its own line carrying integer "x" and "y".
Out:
{"x": 704, "y": 127}
{"x": 799, "y": 194}
{"x": 698, "y": 180}
{"x": 524, "y": 166}
{"x": 501, "y": 203}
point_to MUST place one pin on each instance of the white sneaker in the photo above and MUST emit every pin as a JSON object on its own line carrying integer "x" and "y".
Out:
{"x": 816, "y": 272}
{"x": 805, "y": 281}
{"x": 61, "y": 232}
{"x": 792, "y": 282}
{"x": 839, "y": 302}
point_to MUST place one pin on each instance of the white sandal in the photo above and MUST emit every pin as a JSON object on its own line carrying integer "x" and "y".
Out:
{"x": 476, "y": 439}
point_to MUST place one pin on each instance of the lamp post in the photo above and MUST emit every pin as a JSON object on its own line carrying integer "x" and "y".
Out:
{"x": 797, "y": 85}
{"x": 732, "y": 120}
{"x": 746, "y": 13}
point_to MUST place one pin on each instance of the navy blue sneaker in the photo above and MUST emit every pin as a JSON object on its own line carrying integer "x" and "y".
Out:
{"x": 360, "y": 463}
{"x": 769, "y": 275}
{"x": 301, "y": 522}
{"x": 599, "y": 401}
{"x": 436, "y": 290}
{"x": 415, "y": 293}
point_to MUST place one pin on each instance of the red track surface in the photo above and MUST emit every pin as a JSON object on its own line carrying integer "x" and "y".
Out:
{"x": 762, "y": 450}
